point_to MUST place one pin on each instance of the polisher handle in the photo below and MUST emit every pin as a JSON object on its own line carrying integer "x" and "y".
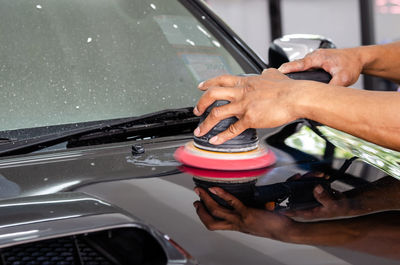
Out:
{"x": 315, "y": 75}
{"x": 318, "y": 75}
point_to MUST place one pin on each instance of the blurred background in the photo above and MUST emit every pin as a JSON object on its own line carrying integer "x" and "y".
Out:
{"x": 347, "y": 23}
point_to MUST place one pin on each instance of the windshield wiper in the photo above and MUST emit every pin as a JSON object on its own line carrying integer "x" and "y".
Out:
{"x": 146, "y": 123}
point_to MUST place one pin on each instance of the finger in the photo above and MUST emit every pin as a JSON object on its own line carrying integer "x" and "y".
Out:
{"x": 324, "y": 197}
{"x": 223, "y": 81}
{"x": 215, "y": 209}
{"x": 233, "y": 130}
{"x": 295, "y": 177}
{"x": 314, "y": 174}
{"x": 210, "y": 222}
{"x": 230, "y": 199}
{"x": 216, "y": 115}
{"x": 295, "y": 66}
{"x": 271, "y": 73}
{"x": 216, "y": 93}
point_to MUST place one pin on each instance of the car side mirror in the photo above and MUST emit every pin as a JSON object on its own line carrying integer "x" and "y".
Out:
{"x": 293, "y": 47}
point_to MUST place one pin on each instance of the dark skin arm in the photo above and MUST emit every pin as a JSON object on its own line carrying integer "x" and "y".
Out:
{"x": 359, "y": 233}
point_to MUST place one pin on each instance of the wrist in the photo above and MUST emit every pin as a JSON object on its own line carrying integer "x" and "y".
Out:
{"x": 305, "y": 98}
{"x": 366, "y": 55}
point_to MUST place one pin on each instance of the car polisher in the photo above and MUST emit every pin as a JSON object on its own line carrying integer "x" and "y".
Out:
{"x": 240, "y": 153}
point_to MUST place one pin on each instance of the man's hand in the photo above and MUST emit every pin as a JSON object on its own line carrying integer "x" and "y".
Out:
{"x": 263, "y": 101}
{"x": 247, "y": 220}
{"x": 332, "y": 205}
{"x": 344, "y": 65}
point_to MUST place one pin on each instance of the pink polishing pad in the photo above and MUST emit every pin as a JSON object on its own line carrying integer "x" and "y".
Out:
{"x": 192, "y": 156}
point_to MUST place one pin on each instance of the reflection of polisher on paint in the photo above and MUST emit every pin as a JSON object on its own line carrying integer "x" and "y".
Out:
{"x": 294, "y": 193}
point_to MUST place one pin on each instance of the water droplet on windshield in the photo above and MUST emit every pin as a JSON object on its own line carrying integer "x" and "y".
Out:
{"x": 216, "y": 43}
{"x": 190, "y": 42}
{"x": 153, "y": 6}
{"x": 89, "y": 40}
{"x": 175, "y": 26}
{"x": 76, "y": 107}
{"x": 38, "y": 6}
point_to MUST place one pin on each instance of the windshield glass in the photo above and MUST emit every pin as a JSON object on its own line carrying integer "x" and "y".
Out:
{"x": 72, "y": 61}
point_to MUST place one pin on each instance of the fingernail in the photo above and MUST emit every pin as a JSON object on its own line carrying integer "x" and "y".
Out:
{"x": 281, "y": 68}
{"x": 196, "y": 111}
{"x": 197, "y": 131}
{"x": 200, "y": 85}
{"x": 213, "y": 191}
{"x": 213, "y": 140}
{"x": 196, "y": 190}
{"x": 319, "y": 189}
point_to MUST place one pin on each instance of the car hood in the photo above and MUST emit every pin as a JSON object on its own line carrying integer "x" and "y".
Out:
{"x": 151, "y": 187}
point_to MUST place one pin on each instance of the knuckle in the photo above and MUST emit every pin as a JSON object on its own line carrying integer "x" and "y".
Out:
{"x": 214, "y": 212}
{"x": 241, "y": 81}
{"x": 225, "y": 77}
{"x": 215, "y": 113}
{"x": 210, "y": 227}
{"x": 318, "y": 52}
{"x": 249, "y": 117}
{"x": 299, "y": 64}
{"x": 345, "y": 78}
{"x": 210, "y": 94}
{"x": 232, "y": 129}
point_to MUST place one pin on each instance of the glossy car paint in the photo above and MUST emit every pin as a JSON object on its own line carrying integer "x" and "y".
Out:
{"x": 103, "y": 186}
{"x": 151, "y": 187}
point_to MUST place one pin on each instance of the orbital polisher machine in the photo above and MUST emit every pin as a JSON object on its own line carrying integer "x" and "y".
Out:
{"x": 240, "y": 153}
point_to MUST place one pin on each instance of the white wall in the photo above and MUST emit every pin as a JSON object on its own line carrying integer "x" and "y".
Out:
{"x": 249, "y": 19}
{"x": 336, "y": 19}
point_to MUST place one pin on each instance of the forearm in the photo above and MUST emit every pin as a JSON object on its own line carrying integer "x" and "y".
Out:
{"x": 359, "y": 233}
{"x": 381, "y": 60}
{"x": 381, "y": 195}
{"x": 370, "y": 115}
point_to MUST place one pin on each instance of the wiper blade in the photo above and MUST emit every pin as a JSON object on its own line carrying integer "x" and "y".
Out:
{"x": 145, "y": 121}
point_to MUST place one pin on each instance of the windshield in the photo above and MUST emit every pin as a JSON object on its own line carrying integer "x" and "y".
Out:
{"x": 73, "y": 61}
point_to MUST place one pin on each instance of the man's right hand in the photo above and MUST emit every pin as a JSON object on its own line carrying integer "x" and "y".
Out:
{"x": 344, "y": 65}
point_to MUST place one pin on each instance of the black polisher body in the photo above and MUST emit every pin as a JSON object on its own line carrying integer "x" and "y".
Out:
{"x": 246, "y": 141}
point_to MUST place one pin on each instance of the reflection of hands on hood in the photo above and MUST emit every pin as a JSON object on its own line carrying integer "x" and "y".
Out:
{"x": 359, "y": 233}
{"x": 381, "y": 195}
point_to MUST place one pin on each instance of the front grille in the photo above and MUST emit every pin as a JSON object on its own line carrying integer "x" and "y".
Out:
{"x": 110, "y": 247}
{"x": 60, "y": 251}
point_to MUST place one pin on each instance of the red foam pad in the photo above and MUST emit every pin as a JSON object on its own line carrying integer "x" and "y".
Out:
{"x": 195, "y": 157}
